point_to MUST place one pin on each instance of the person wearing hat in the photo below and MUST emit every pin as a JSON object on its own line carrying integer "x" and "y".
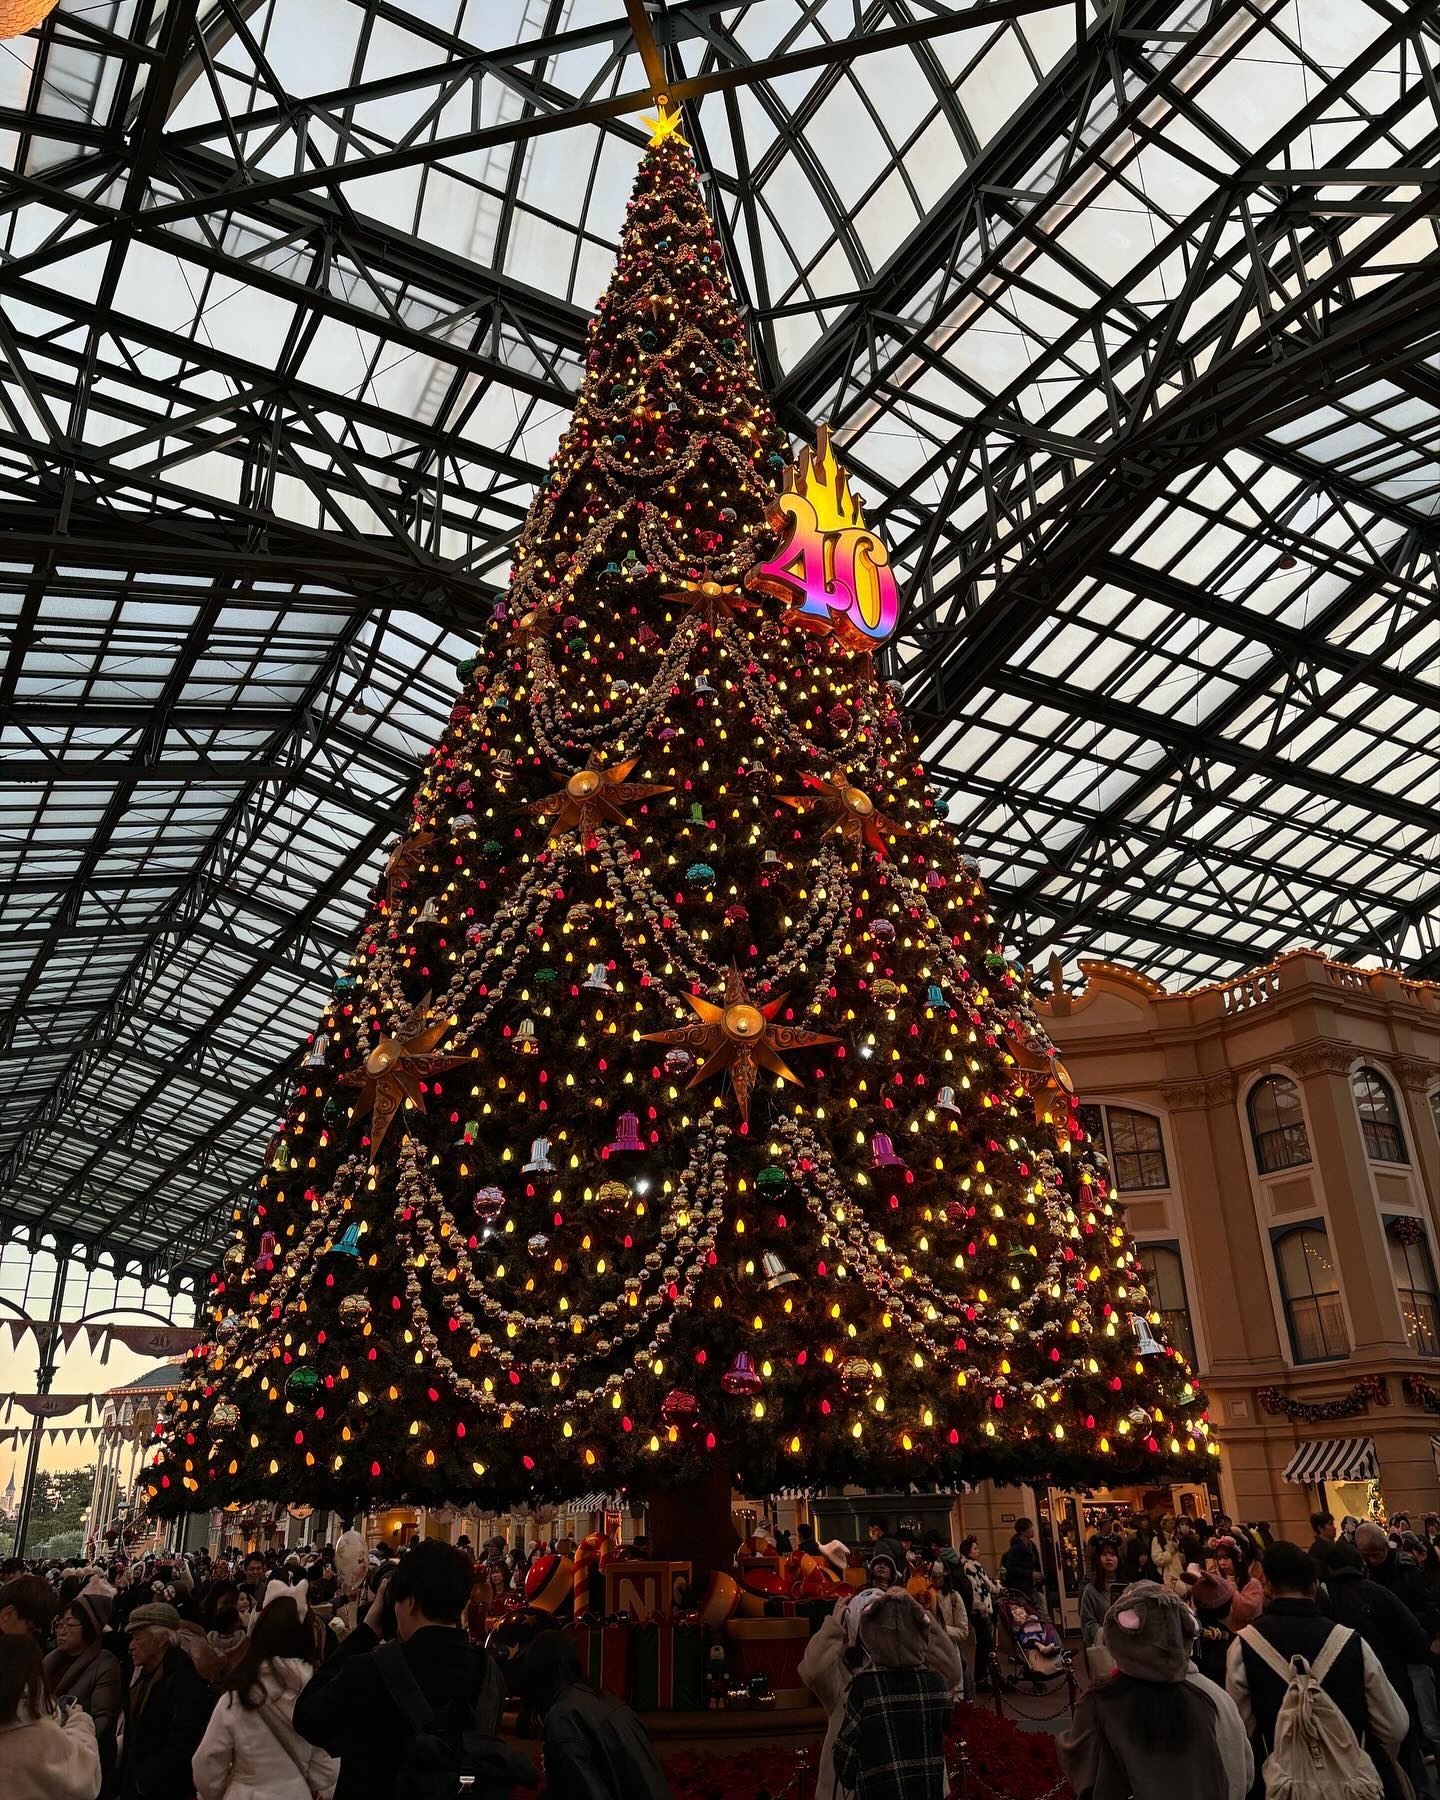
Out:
{"x": 1157, "y": 1726}
{"x": 891, "y": 1740}
{"x": 81, "y": 1667}
{"x": 166, "y": 1710}
{"x": 1212, "y": 1597}
{"x": 884, "y": 1565}
{"x": 832, "y": 1658}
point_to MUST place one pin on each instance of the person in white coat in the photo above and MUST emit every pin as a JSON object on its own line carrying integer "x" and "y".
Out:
{"x": 251, "y": 1749}
{"x": 44, "y": 1755}
{"x": 834, "y": 1655}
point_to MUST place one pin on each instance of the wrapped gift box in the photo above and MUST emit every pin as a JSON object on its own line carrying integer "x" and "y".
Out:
{"x": 643, "y": 1589}
{"x": 668, "y": 1667}
{"x": 773, "y": 1648}
{"x": 605, "y": 1655}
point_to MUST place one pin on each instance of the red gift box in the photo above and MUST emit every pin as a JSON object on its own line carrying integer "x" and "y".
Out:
{"x": 605, "y": 1656}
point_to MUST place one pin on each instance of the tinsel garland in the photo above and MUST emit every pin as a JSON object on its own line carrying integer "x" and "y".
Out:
{"x": 1369, "y": 1390}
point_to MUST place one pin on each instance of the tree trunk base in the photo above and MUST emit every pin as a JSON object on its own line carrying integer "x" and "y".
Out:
{"x": 693, "y": 1524}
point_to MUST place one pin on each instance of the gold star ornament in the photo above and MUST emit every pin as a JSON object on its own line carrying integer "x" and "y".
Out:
{"x": 741, "y": 1037}
{"x": 712, "y": 602}
{"x": 850, "y": 809}
{"x": 593, "y": 796}
{"x": 406, "y": 860}
{"x": 666, "y": 125}
{"x": 393, "y": 1070}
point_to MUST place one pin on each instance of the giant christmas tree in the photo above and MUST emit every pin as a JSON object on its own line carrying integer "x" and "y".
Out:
{"x": 679, "y": 1117}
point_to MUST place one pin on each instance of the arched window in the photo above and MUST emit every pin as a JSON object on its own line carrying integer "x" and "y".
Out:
{"x": 1165, "y": 1281}
{"x": 1137, "y": 1151}
{"x": 1379, "y": 1119}
{"x": 1277, "y": 1125}
{"x": 1311, "y": 1291}
{"x": 1415, "y": 1284}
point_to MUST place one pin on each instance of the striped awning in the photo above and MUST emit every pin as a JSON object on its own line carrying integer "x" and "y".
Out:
{"x": 1333, "y": 1459}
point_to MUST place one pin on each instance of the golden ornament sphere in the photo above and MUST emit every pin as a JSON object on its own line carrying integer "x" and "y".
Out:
{"x": 743, "y": 1021}
{"x": 583, "y": 785}
{"x": 857, "y": 801}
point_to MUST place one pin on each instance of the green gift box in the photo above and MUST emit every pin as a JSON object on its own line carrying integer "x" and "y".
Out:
{"x": 667, "y": 1673}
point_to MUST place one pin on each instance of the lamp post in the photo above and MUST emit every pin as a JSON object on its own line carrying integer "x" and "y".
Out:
{"x": 49, "y": 1336}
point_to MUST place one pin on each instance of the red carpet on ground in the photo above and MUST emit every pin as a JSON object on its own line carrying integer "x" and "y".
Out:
{"x": 1004, "y": 1763}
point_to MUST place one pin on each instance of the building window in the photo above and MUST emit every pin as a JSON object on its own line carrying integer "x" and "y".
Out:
{"x": 1165, "y": 1282}
{"x": 1137, "y": 1151}
{"x": 1415, "y": 1284}
{"x": 1311, "y": 1291}
{"x": 1277, "y": 1125}
{"x": 1379, "y": 1119}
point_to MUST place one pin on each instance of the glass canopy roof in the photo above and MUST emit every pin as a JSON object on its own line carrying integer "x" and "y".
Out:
{"x": 1126, "y": 319}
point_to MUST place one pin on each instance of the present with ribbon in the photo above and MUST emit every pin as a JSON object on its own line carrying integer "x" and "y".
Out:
{"x": 604, "y": 1647}
{"x": 668, "y": 1665}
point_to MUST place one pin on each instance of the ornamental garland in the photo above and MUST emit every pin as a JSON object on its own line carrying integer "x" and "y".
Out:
{"x": 1419, "y": 1392}
{"x": 1369, "y": 1390}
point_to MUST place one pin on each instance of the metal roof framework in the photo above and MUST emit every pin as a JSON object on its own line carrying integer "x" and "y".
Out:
{"x": 1126, "y": 318}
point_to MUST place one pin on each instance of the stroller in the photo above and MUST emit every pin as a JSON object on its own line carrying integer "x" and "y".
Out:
{"x": 1036, "y": 1652}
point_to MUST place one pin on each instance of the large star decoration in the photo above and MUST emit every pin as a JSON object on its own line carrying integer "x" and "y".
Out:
{"x": 850, "y": 809}
{"x": 741, "y": 1037}
{"x": 405, "y": 860}
{"x": 393, "y": 1069}
{"x": 666, "y": 125}
{"x": 593, "y": 795}
{"x": 711, "y": 601}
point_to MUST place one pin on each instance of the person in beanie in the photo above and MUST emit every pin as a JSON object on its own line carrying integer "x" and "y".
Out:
{"x": 166, "y": 1709}
{"x": 1157, "y": 1726}
{"x": 891, "y": 1741}
{"x": 81, "y": 1667}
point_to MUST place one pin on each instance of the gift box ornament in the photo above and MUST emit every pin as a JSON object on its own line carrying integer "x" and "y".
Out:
{"x": 667, "y": 1667}
{"x": 605, "y": 1654}
{"x": 643, "y": 1590}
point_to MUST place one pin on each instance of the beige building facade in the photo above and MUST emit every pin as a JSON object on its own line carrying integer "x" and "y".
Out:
{"x": 1276, "y": 1142}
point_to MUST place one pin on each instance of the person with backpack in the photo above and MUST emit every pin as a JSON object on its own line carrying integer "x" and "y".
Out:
{"x": 1324, "y": 1721}
{"x": 595, "y": 1746}
{"x": 1157, "y": 1726}
{"x": 891, "y": 1741}
{"x": 410, "y": 1716}
{"x": 251, "y": 1750}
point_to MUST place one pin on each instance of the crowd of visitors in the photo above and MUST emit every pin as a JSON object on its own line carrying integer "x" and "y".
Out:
{"x": 331, "y": 1673}
{"x": 1221, "y": 1661}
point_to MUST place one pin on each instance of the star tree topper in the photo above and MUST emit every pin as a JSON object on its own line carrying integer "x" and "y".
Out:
{"x": 741, "y": 1037}
{"x": 393, "y": 1069}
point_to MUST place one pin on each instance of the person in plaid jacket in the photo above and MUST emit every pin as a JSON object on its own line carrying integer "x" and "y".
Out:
{"x": 891, "y": 1742}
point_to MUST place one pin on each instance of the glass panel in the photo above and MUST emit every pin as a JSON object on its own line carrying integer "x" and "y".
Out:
{"x": 1312, "y": 1295}
{"x": 1415, "y": 1287}
{"x": 1136, "y": 1149}
{"x": 1165, "y": 1279}
{"x": 1379, "y": 1121}
{"x": 1277, "y": 1125}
